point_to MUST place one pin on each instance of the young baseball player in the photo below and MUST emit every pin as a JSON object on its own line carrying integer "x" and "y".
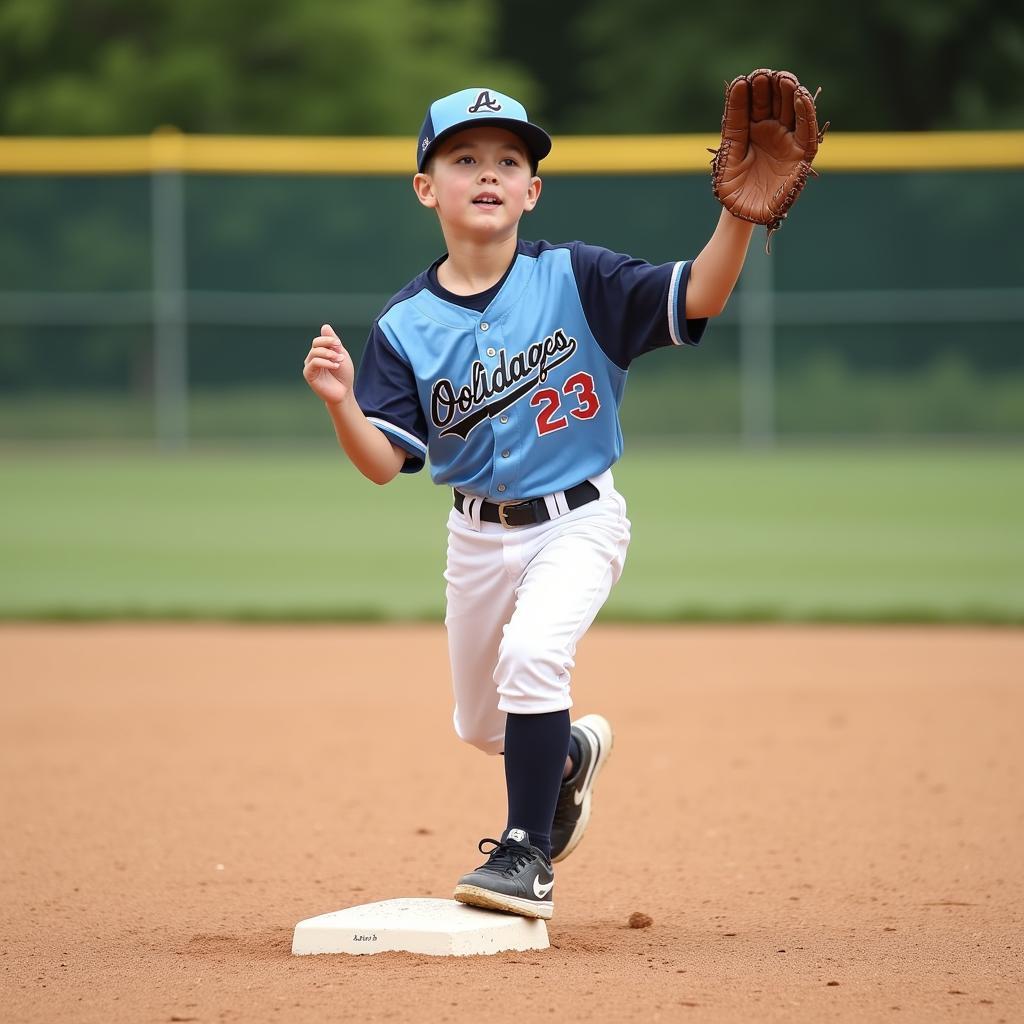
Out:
{"x": 504, "y": 363}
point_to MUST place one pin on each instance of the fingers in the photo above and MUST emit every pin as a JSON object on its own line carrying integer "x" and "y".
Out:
{"x": 328, "y": 349}
{"x": 331, "y": 341}
{"x": 806, "y": 132}
{"x": 779, "y": 96}
{"x": 314, "y": 365}
{"x": 736, "y": 121}
{"x": 786, "y": 86}
{"x": 328, "y": 368}
{"x": 760, "y": 94}
{"x": 334, "y": 351}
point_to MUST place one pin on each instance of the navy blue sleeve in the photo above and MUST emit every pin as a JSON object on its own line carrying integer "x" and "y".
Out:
{"x": 385, "y": 389}
{"x": 632, "y": 306}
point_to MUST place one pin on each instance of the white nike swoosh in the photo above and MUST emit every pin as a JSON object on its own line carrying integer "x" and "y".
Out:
{"x": 540, "y": 891}
{"x": 581, "y": 792}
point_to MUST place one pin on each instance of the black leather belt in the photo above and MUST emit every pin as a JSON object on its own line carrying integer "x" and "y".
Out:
{"x": 528, "y": 513}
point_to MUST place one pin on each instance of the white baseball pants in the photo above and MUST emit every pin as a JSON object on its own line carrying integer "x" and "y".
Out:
{"x": 519, "y": 601}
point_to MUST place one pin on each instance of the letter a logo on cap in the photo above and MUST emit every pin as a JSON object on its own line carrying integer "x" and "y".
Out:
{"x": 484, "y": 102}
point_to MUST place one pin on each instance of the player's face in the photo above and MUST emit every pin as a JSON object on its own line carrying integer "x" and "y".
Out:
{"x": 480, "y": 183}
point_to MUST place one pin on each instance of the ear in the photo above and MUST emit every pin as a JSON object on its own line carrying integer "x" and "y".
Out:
{"x": 424, "y": 189}
{"x": 533, "y": 193}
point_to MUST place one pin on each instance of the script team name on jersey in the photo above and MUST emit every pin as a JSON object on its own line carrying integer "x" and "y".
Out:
{"x": 489, "y": 393}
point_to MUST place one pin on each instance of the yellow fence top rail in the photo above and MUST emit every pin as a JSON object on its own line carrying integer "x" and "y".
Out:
{"x": 572, "y": 154}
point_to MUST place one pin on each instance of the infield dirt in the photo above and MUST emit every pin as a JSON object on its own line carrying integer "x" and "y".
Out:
{"x": 821, "y": 824}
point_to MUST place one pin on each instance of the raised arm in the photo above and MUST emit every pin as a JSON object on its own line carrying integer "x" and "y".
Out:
{"x": 770, "y": 137}
{"x": 328, "y": 370}
{"x": 714, "y": 273}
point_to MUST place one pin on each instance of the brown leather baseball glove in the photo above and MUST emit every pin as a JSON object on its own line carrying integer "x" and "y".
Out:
{"x": 770, "y": 137}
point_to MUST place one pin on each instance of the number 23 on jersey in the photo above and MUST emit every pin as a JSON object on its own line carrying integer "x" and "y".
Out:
{"x": 581, "y": 401}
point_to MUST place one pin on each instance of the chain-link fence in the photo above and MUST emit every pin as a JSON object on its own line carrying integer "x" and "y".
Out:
{"x": 169, "y": 307}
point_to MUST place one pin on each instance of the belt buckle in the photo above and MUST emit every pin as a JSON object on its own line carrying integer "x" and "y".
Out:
{"x": 502, "y": 505}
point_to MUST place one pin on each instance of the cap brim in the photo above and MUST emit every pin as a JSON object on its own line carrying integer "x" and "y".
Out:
{"x": 538, "y": 142}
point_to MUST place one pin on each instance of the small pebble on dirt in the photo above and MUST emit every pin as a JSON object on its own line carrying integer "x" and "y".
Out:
{"x": 638, "y": 920}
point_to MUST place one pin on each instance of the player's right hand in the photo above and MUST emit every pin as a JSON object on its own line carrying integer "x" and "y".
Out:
{"x": 328, "y": 367}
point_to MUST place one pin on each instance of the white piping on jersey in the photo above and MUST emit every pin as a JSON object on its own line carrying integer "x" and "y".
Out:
{"x": 673, "y": 299}
{"x": 392, "y": 429}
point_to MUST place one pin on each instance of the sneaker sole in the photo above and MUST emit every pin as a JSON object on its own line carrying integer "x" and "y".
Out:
{"x": 600, "y": 727}
{"x": 488, "y": 900}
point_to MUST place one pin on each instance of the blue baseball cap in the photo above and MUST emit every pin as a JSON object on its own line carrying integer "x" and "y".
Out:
{"x": 472, "y": 107}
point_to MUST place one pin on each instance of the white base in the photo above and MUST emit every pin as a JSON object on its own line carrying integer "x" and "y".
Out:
{"x": 433, "y": 927}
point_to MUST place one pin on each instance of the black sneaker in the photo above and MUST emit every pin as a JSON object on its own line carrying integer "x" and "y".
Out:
{"x": 594, "y": 735}
{"x": 517, "y": 878}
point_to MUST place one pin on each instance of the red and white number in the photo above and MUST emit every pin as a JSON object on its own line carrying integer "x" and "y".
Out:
{"x": 581, "y": 385}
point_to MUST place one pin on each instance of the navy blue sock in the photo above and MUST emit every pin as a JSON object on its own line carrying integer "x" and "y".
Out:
{"x": 535, "y": 751}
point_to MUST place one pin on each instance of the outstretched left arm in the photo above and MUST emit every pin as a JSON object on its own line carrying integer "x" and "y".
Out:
{"x": 770, "y": 138}
{"x": 714, "y": 273}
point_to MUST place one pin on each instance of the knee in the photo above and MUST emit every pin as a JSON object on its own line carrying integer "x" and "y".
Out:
{"x": 480, "y": 735}
{"x": 532, "y": 676}
{"x": 523, "y": 652}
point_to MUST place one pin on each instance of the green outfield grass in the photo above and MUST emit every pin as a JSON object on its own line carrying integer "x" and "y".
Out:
{"x": 857, "y": 535}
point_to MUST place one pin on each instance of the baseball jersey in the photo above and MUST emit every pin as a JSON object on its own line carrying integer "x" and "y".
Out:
{"x": 514, "y": 393}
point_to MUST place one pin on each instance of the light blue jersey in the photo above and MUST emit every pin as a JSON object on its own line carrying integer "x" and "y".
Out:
{"x": 515, "y": 393}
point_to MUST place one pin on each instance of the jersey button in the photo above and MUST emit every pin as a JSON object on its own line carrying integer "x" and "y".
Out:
{"x": 503, "y": 419}
{"x": 485, "y": 326}
{"x": 491, "y": 352}
{"x": 501, "y": 488}
{"x": 505, "y": 454}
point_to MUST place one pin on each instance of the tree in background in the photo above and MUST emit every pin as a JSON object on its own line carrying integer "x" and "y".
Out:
{"x": 659, "y": 66}
{"x": 370, "y": 66}
{"x": 301, "y": 66}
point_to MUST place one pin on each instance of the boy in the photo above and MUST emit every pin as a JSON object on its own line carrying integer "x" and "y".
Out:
{"x": 506, "y": 361}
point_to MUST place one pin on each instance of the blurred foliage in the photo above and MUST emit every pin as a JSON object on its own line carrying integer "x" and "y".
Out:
{"x": 328, "y": 66}
{"x": 824, "y": 397}
{"x": 371, "y": 66}
{"x": 347, "y": 243}
{"x": 883, "y": 65}
{"x": 303, "y": 67}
